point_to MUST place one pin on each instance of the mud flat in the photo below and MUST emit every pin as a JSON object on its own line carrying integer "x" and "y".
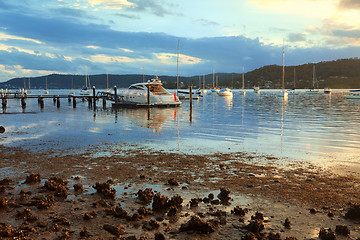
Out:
{"x": 112, "y": 192}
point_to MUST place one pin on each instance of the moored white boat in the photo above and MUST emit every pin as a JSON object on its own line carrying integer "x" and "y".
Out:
{"x": 256, "y": 89}
{"x": 327, "y": 90}
{"x": 225, "y": 92}
{"x": 293, "y": 92}
{"x": 354, "y": 94}
{"x": 137, "y": 95}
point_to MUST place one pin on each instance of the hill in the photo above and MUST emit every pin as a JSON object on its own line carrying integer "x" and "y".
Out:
{"x": 342, "y": 73}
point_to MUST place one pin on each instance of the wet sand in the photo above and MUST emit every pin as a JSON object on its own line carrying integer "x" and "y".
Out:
{"x": 258, "y": 194}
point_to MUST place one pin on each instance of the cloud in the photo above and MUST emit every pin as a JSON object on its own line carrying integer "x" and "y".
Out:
{"x": 296, "y": 37}
{"x": 347, "y": 33}
{"x": 157, "y": 7}
{"x": 109, "y": 4}
{"x": 205, "y": 22}
{"x": 349, "y": 4}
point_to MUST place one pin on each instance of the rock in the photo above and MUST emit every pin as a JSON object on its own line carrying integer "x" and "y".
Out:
{"x": 287, "y": 223}
{"x": 353, "y": 212}
{"x": 258, "y": 215}
{"x": 255, "y": 226}
{"x": 3, "y": 202}
{"x": 114, "y": 230}
{"x": 342, "y": 230}
{"x": 145, "y": 211}
{"x": 194, "y": 202}
{"x": 313, "y": 211}
{"x": 90, "y": 215}
{"x": 6, "y": 181}
{"x": 84, "y": 233}
{"x": 197, "y": 225}
{"x": 274, "y": 236}
{"x": 238, "y": 211}
{"x": 78, "y": 187}
{"x": 150, "y": 225}
{"x": 160, "y": 202}
{"x": 249, "y": 236}
{"x": 173, "y": 182}
{"x": 326, "y": 234}
{"x": 33, "y": 178}
{"x": 159, "y": 236}
{"x": 224, "y": 194}
{"x": 145, "y": 196}
{"x": 2, "y": 129}
{"x": 105, "y": 190}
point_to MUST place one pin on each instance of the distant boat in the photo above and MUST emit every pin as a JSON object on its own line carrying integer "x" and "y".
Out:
{"x": 312, "y": 90}
{"x": 72, "y": 92}
{"x": 85, "y": 91}
{"x": 283, "y": 92}
{"x": 327, "y": 90}
{"x": 256, "y": 89}
{"x": 293, "y": 90}
{"x": 354, "y": 94}
{"x": 46, "y": 90}
{"x": 185, "y": 95}
{"x": 225, "y": 92}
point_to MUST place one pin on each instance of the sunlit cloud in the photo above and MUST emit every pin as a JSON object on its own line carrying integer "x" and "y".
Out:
{"x": 126, "y": 50}
{"x": 93, "y": 47}
{"x": 101, "y": 58}
{"x": 171, "y": 58}
{"x": 7, "y": 48}
{"x": 4, "y": 36}
{"x": 3, "y": 68}
{"x": 109, "y": 4}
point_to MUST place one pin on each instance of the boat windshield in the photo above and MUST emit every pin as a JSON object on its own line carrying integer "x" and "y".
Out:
{"x": 157, "y": 89}
{"x": 139, "y": 87}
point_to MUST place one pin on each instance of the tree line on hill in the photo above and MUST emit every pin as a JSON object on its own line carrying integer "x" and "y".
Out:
{"x": 340, "y": 74}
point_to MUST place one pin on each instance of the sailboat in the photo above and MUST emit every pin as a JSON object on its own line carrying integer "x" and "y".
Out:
{"x": 46, "y": 91}
{"x": 242, "y": 91}
{"x": 293, "y": 91}
{"x": 107, "y": 82}
{"x": 72, "y": 92}
{"x": 283, "y": 92}
{"x": 85, "y": 91}
{"x": 312, "y": 90}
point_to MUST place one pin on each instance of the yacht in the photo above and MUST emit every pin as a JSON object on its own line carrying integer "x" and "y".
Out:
{"x": 137, "y": 95}
{"x": 354, "y": 94}
{"x": 225, "y": 92}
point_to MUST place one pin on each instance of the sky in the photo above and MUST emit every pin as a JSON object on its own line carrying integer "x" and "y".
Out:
{"x": 41, "y": 37}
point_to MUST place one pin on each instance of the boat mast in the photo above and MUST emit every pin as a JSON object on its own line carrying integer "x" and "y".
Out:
{"x": 313, "y": 76}
{"x": 243, "y": 78}
{"x": 283, "y": 75}
{"x": 24, "y": 84}
{"x": 177, "y": 69}
{"x": 204, "y": 81}
{"x": 213, "y": 79}
{"x": 46, "y": 83}
{"x": 29, "y": 83}
{"x": 216, "y": 81}
{"x": 294, "y": 76}
{"x": 107, "y": 81}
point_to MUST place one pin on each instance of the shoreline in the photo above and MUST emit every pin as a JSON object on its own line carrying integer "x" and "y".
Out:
{"x": 277, "y": 192}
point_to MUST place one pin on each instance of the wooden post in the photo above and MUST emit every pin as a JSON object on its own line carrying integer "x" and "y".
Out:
{"x": 94, "y": 97}
{"x": 104, "y": 103}
{"x": 4, "y": 102}
{"x": 148, "y": 96}
{"x": 54, "y": 100}
{"x": 191, "y": 103}
{"x": 41, "y": 102}
{"x": 69, "y": 99}
{"x": 74, "y": 102}
{"x": 58, "y": 102}
{"x": 23, "y": 103}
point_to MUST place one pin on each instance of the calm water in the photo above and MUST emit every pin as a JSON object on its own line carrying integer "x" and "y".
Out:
{"x": 320, "y": 129}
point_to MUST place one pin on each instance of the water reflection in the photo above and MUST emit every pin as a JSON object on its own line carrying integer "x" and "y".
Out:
{"x": 319, "y": 128}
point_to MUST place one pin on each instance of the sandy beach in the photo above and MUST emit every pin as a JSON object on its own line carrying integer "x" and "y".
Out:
{"x": 135, "y": 193}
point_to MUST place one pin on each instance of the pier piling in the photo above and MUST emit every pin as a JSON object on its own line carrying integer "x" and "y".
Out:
{"x": 115, "y": 94}
{"x": 41, "y": 102}
{"x": 74, "y": 102}
{"x": 191, "y": 103}
{"x": 23, "y": 103}
{"x": 104, "y": 103}
{"x": 58, "y": 102}
{"x": 94, "y": 97}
